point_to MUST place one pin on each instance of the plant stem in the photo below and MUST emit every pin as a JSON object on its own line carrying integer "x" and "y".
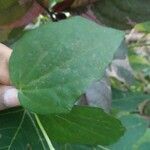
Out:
{"x": 102, "y": 147}
{"x": 44, "y": 133}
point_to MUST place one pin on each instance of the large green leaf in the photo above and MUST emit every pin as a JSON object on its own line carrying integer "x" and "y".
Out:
{"x": 83, "y": 125}
{"x": 122, "y": 14}
{"x": 52, "y": 66}
{"x": 136, "y": 136}
{"x": 19, "y": 131}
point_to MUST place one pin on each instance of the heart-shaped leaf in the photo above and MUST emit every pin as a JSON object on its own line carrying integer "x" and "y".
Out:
{"x": 52, "y": 66}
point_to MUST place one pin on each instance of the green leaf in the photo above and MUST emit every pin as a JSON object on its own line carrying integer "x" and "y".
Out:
{"x": 135, "y": 128}
{"x": 18, "y": 13}
{"x": 10, "y": 10}
{"x": 135, "y": 125}
{"x": 19, "y": 131}
{"x": 128, "y": 101}
{"x": 68, "y": 146}
{"x": 143, "y": 27}
{"x": 53, "y": 65}
{"x": 83, "y": 125}
{"x": 122, "y": 14}
{"x": 143, "y": 143}
{"x": 136, "y": 136}
{"x": 140, "y": 64}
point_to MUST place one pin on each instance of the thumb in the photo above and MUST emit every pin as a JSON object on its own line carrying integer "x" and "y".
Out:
{"x": 8, "y": 97}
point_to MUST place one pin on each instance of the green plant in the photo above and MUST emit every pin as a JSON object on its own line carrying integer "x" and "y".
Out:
{"x": 54, "y": 64}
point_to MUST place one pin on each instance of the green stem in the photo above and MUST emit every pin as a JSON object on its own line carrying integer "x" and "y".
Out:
{"x": 44, "y": 133}
{"x": 102, "y": 147}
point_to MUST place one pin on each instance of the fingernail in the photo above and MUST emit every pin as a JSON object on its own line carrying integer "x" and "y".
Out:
{"x": 11, "y": 98}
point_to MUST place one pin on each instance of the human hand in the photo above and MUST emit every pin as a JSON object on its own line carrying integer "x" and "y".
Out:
{"x": 8, "y": 94}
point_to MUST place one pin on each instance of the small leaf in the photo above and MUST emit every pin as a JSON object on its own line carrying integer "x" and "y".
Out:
{"x": 128, "y": 101}
{"x": 83, "y": 125}
{"x": 143, "y": 27}
{"x": 53, "y": 65}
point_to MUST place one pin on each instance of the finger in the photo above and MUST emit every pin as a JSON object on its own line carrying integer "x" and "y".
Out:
{"x": 8, "y": 97}
{"x": 5, "y": 54}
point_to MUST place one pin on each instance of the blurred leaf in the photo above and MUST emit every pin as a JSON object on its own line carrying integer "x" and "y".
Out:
{"x": 83, "y": 125}
{"x": 122, "y": 14}
{"x": 144, "y": 142}
{"x": 62, "y": 5}
{"x": 136, "y": 61}
{"x": 71, "y": 4}
{"x": 18, "y": 12}
{"x": 143, "y": 27}
{"x": 4, "y": 34}
{"x": 135, "y": 128}
{"x": 54, "y": 64}
{"x": 140, "y": 64}
{"x": 135, "y": 125}
{"x": 15, "y": 35}
{"x": 12, "y": 10}
{"x": 81, "y": 3}
{"x": 128, "y": 101}
{"x": 145, "y": 108}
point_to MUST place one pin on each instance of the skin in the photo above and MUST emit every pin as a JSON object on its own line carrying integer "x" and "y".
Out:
{"x": 8, "y": 94}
